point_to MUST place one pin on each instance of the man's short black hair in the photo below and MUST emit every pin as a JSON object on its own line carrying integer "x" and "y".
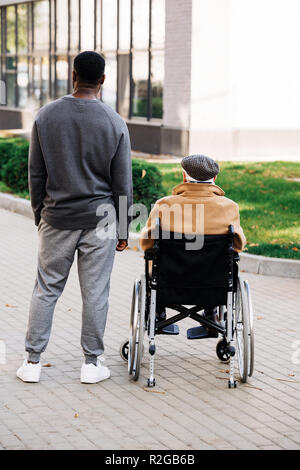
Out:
{"x": 89, "y": 66}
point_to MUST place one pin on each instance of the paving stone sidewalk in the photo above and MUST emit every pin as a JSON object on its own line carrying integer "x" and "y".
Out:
{"x": 194, "y": 409}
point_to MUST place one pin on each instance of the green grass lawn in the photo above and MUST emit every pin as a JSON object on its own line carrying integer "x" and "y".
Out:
{"x": 5, "y": 189}
{"x": 269, "y": 203}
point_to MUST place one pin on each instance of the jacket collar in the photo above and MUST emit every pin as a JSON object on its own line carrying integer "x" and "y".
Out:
{"x": 197, "y": 189}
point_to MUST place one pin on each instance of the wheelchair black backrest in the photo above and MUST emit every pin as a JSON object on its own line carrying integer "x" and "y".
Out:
{"x": 194, "y": 276}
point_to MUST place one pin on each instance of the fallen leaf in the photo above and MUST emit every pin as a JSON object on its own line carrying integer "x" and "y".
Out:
{"x": 149, "y": 390}
{"x": 295, "y": 248}
{"x": 290, "y": 381}
{"x": 291, "y": 375}
{"x": 255, "y": 388}
{"x": 76, "y": 415}
{"x": 259, "y": 318}
{"x": 253, "y": 244}
{"x": 10, "y": 306}
{"x": 47, "y": 365}
{"x": 144, "y": 172}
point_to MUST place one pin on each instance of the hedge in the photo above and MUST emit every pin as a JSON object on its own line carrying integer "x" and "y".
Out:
{"x": 147, "y": 179}
{"x": 13, "y": 163}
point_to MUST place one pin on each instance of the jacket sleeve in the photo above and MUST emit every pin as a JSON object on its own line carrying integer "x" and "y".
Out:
{"x": 121, "y": 174}
{"x": 239, "y": 241}
{"x": 146, "y": 242}
{"x": 37, "y": 175}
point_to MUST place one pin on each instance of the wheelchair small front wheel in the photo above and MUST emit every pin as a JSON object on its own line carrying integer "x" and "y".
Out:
{"x": 222, "y": 351}
{"x": 232, "y": 384}
{"x": 124, "y": 350}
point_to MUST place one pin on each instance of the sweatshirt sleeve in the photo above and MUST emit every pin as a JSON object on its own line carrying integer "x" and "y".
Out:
{"x": 146, "y": 242}
{"x": 121, "y": 174}
{"x": 37, "y": 175}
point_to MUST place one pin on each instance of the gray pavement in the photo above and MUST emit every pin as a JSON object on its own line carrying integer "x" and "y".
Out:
{"x": 191, "y": 407}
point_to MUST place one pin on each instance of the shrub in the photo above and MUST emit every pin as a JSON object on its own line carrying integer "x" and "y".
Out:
{"x": 147, "y": 183}
{"x": 14, "y": 170}
{"x": 147, "y": 178}
{"x": 8, "y": 147}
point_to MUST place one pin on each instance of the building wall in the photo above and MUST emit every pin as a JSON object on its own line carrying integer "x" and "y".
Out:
{"x": 231, "y": 86}
{"x": 265, "y": 77}
{"x": 211, "y": 99}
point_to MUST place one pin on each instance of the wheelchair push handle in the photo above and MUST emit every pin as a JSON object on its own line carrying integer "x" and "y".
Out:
{"x": 231, "y": 231}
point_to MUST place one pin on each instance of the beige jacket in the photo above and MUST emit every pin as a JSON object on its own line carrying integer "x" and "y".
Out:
{"x": 195, "y": 208}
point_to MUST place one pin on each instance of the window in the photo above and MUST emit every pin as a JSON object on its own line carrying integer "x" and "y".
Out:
{"x": 74, "y": 25}
{"x": 140, "y": 24}
{"x": 22, "y": 81}
{"x": 140, "y": 83}
{"x": 61, "y": 76}
{"x": 124, "y": 24}
{"x": 157, "y": 80}
{"x": 41, "y": 26}
{"x": 87, "y": 25}
{"x": 40, "y": 39}
{"x": 109, "y": 25}
{"x": 109, "y": 90}
{"x": 124, "y": 85}
{"x": 22, "y": 29}
{"x": 158, "y": 24}
{"x": 11, "y": 30}
{"x": 62, "y": 25}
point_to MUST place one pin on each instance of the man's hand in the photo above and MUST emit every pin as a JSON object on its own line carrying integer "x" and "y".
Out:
{"x": 122, "y": 245}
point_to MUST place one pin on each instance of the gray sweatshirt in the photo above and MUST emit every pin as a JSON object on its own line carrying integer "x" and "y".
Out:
{"x": 79, "y": 158}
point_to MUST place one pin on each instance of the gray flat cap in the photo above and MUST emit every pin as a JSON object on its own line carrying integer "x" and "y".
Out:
{"x": 199, "y": 167}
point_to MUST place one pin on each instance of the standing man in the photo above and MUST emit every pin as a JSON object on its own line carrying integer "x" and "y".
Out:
{"x": 79, "y": 164}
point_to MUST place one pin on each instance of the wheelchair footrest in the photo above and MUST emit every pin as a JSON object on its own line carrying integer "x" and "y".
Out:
{"x": 199, "y": 332}
{"x": 169, "y": 330}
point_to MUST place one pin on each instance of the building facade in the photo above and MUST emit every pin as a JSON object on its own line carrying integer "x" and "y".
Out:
{"x": 219, "y": 77}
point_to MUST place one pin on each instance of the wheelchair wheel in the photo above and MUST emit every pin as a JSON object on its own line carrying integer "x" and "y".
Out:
{"x": 222, "y": 351}
{"x": 137, "y": 328}
{"x": 251, "y": 329}
{"x": 241, "y": 329}
{"x": 124, "y": 350}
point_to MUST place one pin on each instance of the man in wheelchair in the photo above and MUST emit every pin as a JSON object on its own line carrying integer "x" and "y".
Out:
{"x": 191, "y": 242}
{"x": 197, "y": 207}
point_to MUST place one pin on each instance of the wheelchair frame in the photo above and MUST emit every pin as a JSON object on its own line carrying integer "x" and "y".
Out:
{"x": 237, "y": 321}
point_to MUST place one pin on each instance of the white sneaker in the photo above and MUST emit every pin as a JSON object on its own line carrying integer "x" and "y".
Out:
{"x": 91, "y": 374}
{"x": 29, "y": 372}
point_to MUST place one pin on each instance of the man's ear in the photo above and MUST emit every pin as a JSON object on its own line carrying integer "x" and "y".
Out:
{"x": 73, "y": 77}
{"x": 215, "y": 177}
{"x": 184, "y": 176}
{"x": 102, "y": 79}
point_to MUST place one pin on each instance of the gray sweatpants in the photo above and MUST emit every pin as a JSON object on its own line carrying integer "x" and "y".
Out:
{"x": 95, "y": 261}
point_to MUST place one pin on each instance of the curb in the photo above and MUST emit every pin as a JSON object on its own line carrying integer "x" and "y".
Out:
{"x": 255, "y": 264}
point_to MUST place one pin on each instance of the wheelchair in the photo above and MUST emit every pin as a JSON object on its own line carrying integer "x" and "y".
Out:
{"x": 189, "y": 281}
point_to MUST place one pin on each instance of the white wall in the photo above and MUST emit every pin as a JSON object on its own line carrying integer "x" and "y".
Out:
{"x": 211, "y": 98}
{"x": 265, "y": 64}
{"x": 245, "y": 78}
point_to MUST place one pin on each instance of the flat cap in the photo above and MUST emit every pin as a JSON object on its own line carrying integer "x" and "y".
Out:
{"x": 199, "y": 167}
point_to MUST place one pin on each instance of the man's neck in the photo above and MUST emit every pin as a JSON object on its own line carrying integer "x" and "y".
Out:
{"x": 85, "y": 93}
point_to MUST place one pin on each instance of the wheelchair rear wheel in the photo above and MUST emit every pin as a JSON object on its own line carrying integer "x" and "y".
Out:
{"x": 137, "y": 328}
{"x": 242, "y": 330}
{"x": 251, "y": 329}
